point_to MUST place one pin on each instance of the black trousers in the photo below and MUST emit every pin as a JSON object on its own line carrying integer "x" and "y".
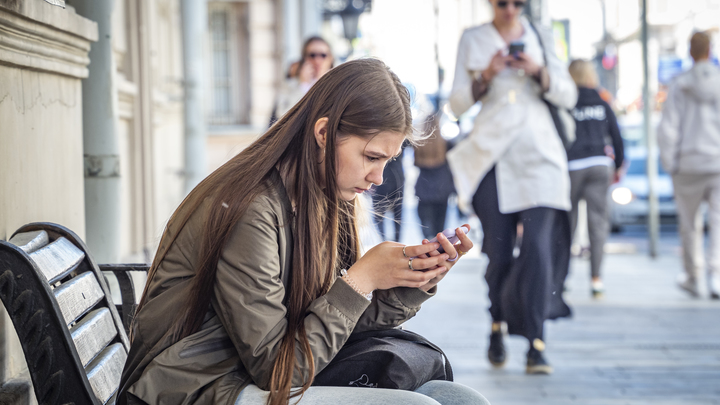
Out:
{"x": 521, "y": 289}
{"x": 432, "y": 217}
{"x": 383, "y": 203}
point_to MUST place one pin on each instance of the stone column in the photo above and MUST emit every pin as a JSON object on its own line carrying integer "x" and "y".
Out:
{"x": 100, "y": 144}
{"x": 194, "y": 28}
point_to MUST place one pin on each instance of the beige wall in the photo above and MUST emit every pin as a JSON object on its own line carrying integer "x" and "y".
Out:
{"x": 42, "y": 62}
{"x": 41, "y": 157}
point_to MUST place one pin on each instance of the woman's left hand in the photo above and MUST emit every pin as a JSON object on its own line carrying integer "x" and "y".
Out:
{"x": 525, "y": 63}
{"x": 453, "y": 251}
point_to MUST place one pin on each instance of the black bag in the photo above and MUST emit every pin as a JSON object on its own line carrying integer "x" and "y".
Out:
{"x": 563, "y": 120}
{"x": 392, "y": 358}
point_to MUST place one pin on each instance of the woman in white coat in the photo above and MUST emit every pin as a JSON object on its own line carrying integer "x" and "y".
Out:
{"x": 512, "y": 168}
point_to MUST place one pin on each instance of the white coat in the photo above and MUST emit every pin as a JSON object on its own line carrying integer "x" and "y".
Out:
{"x": 514, "y": 130}
{"x": 689, "y": 132}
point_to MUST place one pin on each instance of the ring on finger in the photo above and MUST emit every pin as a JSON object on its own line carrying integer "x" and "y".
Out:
{"x": 410, "y": 266}
{"x": 457, "y": 255}
{"x": 461, "y": 253}
{"x": 405, "y": 254}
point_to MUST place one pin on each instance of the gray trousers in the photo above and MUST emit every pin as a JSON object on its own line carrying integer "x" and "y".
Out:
{"x": 690, "y": 191}
{"x": 431, "y": 393}
{"x": 591, "y": 184}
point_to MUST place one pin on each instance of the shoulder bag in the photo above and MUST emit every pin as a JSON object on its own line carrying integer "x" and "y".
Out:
{"x": 391, "y": 358}
{"x": 563, "y": 120}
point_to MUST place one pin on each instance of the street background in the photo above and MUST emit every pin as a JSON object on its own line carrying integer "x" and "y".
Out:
{"x": 111, "y": 111}
{"x": 646, "y": 342}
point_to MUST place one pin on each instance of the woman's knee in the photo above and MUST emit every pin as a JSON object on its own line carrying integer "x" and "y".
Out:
{"x": 452, "y": 393}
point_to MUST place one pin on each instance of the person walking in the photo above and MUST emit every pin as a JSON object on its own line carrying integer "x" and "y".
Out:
{"x": 689, "y": 141}
{"x": 316, "y": 60}
{"x": 595, "y": 161}
{"x": 388, "y": 196}
{"x": 434, "y": 184}
{"x": 259, "y": 279}
{"x": 513, "y": 168}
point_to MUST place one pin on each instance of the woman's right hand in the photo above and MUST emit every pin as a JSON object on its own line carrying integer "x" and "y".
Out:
{"x": 384, "y": 266}
{"x": 498, "y": 63}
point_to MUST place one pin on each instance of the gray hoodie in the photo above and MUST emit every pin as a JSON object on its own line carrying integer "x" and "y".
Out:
{"x": 689, "y": 132}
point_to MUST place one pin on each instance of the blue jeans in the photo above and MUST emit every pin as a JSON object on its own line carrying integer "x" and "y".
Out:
{"x": 431, "y": 393}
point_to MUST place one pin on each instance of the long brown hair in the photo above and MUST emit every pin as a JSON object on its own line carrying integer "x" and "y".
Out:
{"x": 359, "y": 98}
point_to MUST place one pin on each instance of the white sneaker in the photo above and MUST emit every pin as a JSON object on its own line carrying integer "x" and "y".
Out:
{"x": 688, "y": 285}
{"x": 714, "y": 286}
{"x": 597, "y": 289}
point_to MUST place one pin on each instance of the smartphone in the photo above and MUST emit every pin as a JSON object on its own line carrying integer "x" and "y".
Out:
{"x": 452, "y": 237}
{"x": 515, "y": 48}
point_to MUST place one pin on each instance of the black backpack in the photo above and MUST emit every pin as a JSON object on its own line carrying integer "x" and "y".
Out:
{"x": 391, "y": 358}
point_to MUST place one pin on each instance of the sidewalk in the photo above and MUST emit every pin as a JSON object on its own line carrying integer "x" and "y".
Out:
{"x": 644, "y": 343}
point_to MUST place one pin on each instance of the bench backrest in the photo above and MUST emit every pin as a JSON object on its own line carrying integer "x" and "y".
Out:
{"x": 72, "y": 336}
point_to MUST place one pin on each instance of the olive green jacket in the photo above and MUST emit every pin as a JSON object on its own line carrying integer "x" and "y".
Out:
{"x": 242, "y": 331}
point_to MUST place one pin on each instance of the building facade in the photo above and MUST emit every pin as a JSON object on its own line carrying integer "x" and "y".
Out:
{"x": 45, "y": 166}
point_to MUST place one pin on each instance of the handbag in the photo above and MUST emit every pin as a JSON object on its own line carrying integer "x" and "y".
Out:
{"x": 563, "y": 120}
{"x": 389, "y": 358}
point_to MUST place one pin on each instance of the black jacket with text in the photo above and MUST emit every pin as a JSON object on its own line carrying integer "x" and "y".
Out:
{"x": 596, "y": 127}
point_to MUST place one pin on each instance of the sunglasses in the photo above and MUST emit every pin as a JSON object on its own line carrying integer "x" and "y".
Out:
{"x": 314, "y": 55}
{"x": 504, "y": 4}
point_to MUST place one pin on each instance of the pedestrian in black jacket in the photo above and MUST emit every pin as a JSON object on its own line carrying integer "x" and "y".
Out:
{"x": 594, "y": 161}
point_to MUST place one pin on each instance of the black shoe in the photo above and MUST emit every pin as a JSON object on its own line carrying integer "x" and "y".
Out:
{"x": 536, "y": 363}
{"x": 496, "y": 351}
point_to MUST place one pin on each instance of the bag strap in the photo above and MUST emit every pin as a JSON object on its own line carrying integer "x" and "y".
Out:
{"x": 404, "y": 335}
{"x": 542, "y": 45}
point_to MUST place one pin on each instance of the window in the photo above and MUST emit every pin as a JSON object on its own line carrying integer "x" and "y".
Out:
{"x": 229, "y": 78}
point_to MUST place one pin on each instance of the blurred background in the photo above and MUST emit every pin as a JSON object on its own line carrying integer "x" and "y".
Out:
{"x": 111, "y": 111}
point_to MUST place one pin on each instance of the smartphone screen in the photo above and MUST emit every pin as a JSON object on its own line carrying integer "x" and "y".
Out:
{"x": 515, "y": 48}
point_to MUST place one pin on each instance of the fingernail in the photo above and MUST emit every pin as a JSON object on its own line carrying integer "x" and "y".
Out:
{"x": 445, "y": 257}
{"x": 442, "y": 237}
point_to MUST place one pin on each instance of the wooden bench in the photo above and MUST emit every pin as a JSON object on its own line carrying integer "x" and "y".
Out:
{"x": 73, "y": 333}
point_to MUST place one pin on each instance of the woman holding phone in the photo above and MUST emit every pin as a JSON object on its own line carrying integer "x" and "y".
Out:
{"x": 316, "y": 60}
{"x": 512, "y": 169}
{"x": 259, "y": 278}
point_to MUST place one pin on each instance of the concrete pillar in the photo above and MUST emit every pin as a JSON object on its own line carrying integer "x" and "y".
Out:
{"x": 100, "y": 144}
{"x": 194, "y": 28}
{"x": 292, "y": 40}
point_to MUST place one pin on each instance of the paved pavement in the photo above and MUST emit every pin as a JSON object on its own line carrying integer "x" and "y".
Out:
{"x": 644, "y": 343}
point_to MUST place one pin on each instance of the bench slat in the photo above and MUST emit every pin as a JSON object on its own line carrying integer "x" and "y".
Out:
{"x": 30, "y": 241}
{"x": 57, "y": 259}
{"x": 78, "y": 295}
{"x": 93, "y": 333}
{"x": 104, "y": 372}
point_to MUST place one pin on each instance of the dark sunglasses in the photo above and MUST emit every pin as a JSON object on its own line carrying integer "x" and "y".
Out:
{"x": 504, "y": 4}
{"x": 317, "y": 55}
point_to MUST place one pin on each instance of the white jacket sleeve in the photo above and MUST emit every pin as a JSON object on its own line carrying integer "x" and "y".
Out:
{"x": 668, "y": 133}
{"x": 461, "y": 98}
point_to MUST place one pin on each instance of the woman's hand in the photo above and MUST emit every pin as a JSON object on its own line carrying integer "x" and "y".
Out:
{"x": 384, "y": 266}
{"x": 307, "y": 73}
{"x": 498, "y": 63}
{"x": 454, "y": 251}
{"x": 525, "y": 63}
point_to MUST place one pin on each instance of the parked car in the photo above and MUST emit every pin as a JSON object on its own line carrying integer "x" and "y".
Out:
{"x": 628, "y": 199}
{"x": 632, "y": 128}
